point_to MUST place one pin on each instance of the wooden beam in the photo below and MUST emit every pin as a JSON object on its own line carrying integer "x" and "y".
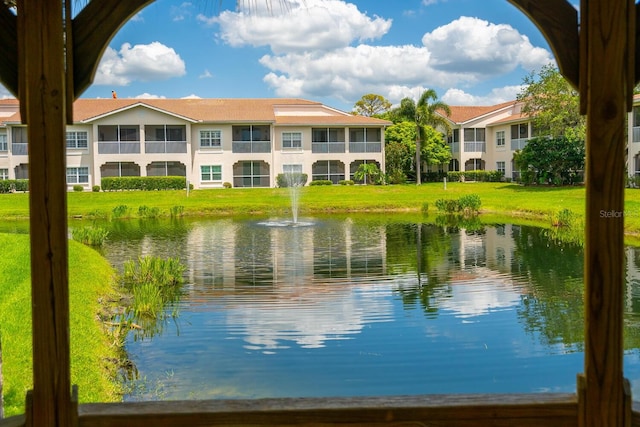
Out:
{"x": 93, "y": 28}
{"x": 526, "y": 410}
{"x": 9, "y": 50}
{"x": 604, "y": 65}
{"x": 43, "y": 94}
{"x": 557, "y": 20}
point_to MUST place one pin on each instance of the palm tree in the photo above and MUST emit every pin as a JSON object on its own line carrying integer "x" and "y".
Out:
{"x": 428, "y": 111}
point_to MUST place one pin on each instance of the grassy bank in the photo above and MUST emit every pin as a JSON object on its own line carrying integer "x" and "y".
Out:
{"x": 91, "y": 278}
{"x": 497, "y": 198}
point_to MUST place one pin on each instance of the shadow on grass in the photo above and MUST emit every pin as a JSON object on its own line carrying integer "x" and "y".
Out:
{"x": 540, "y": 188}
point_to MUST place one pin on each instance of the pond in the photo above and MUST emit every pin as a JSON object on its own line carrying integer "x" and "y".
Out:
{"x": 364, "y": 305}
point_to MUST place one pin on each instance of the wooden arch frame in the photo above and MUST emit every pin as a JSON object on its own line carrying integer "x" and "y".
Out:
{"x": 48, "y": 62}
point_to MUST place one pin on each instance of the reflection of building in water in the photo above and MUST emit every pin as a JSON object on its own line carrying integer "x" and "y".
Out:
{"x": 481, "y": 279}
{"x": 227, "y": 255}
{"x": 494, "y": 248}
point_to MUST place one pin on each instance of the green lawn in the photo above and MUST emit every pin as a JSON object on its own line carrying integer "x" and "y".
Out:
{"x": 497, "y": 198}
{"x": 91, "y": 278}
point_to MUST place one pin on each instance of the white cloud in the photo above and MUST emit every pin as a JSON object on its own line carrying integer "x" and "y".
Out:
{"x": 192, "y": 96}
{"x": 472, "y": 44}
{"x": 150, "y": 62}
{"x": 496, "y": 96}
{"x": 147, "y": 95}
{"x": 182, "y": 12}
{"x": 205, "y": 75}
{"x": 460, "y": 54}
{"x": 300, "y": 25}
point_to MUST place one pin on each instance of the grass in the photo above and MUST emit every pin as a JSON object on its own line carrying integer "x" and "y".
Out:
{"x": 91, "y": 278}
{"x": 497, "y": 198}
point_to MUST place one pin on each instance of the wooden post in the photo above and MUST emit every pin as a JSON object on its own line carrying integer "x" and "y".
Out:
{"x": 606, "y": 50}
{"x": 42, "y": 90}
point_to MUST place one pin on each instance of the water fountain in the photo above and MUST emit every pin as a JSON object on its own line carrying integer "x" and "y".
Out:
{"x": 294, "y": 182}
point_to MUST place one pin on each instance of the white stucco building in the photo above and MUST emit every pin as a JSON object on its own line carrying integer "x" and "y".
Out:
{"x": 245, "y": 142}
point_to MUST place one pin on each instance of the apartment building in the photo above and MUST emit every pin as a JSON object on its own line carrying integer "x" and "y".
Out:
{"x": 486, "y": 137}
{"x": 245, "y": 142}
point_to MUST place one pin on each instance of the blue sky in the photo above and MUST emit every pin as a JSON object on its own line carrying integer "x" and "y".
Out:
{"x": 472, "y": 52}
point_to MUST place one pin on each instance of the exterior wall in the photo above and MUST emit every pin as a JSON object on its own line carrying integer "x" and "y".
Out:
{"x": 104, "y": 147}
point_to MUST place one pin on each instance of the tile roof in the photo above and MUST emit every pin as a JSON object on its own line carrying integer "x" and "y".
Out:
{"x": 216, "y": 110}
{"x": 462, "y": 114}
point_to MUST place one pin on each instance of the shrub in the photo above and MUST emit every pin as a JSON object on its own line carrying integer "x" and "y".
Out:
{"x": 78, "y": 188}
{"x": 176, "y": 211}
{"x": 120, "y": 211}
{"x": 563, "y": 218}
{"x": 147, "y": 212}
{"x": 397, "y": 177}
{"x": 95, "y": 188}
{"x": 11, "y": 185}
{"x": 425, "y": 207}
{"x": 92, "y": 236}
{"x": 346, "y": 182}
{"x": 284, "y": 180}
{"x": 469, "y": 203}
{"x": 147, "y": 183}
{"x": 153, "y": 282}
{"x": 321, "y": 182}
{"x": 227, "y": 185}
{"x": 448, "y": 206}
{"x": 475, "y": 175}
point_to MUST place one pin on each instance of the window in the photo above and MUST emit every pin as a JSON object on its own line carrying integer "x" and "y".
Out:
{"x": 210, "y": 139}
{"x": 520, "y": 131}
{"x": 78, "y": 175}
{"x": 4, "y": 174}
{"x": 291, "y": 168}
{"x": 474, "y": 134}
{"x": 500, "y": 139}
{"x": 3, "y": 142}
{"x": 636, "y": 116}
{"x": 211, "y": 173}
{"x": 327, "y": 135}
{"x": 77, "y": 139}
{"x": 500, "y": 167}
{"x": 365, "y": 135}
{"x": 114, "y": 133}
{"x": 19, "y": 135}
{"x": 251, "y": 133}
{"x": 292, "y": 140}
{"x": 165, "y": 133}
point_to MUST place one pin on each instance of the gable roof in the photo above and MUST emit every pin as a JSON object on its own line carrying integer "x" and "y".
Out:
{"x": 463, "y": 114}
{"x": 218, "y": 110}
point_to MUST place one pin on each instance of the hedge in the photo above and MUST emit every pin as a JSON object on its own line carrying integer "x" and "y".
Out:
{"x": 146, "y": 183}
{"x": 9, "y": 185}
{"x": 477, "y": 175}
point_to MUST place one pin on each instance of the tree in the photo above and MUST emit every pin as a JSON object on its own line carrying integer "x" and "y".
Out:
{"x": 367, "y": 172}
{"x": 371, "y": 104}
{"x": 557, "y": 160}
{"x": 427, "y": 112}
{"x": 553, "y": 104}
{"x": 399, "y": 152}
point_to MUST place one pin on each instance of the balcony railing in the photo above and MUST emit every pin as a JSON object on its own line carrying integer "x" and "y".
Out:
{"x": 328, "y": 147}
{"x": 475, "y": 147}
{"x": 365, "y": 147}
{"x": 115, "y": 147}
{"x": 636, "y": 134}
{"x": 165, "y": 147}
{"x": 454, "y": 147}
{"x": 251, "y": 146}
{"x": 519, "y": 143}
{"x": 19, "y": 149}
